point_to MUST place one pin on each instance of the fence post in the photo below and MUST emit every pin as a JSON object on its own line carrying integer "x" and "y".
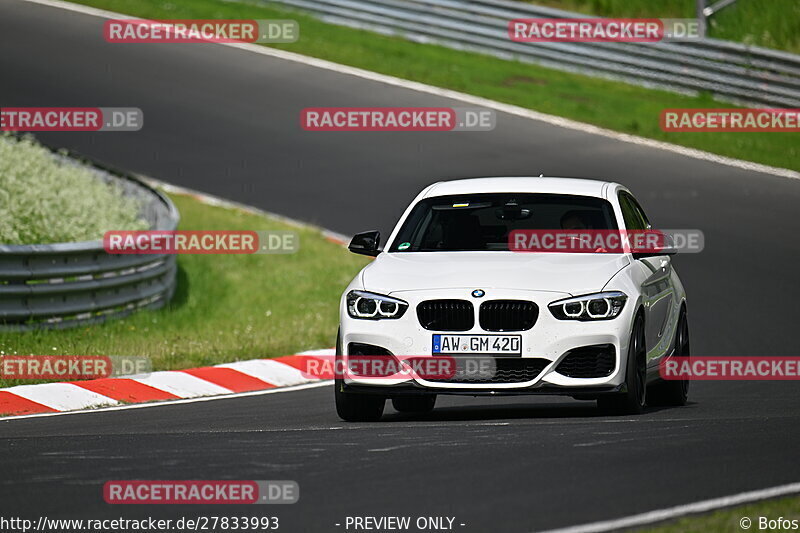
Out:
{"x": 700, "y": 11}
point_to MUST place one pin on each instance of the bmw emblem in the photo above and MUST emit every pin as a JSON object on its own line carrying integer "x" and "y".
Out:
{"x": 478, "y": 293}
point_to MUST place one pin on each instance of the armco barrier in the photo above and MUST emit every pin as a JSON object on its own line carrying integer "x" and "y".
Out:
{"x": 70, "y": 284}
{"x": 746, "y": 74}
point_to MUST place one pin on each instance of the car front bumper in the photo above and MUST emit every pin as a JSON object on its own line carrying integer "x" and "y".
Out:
{"x": 549, "y": 339}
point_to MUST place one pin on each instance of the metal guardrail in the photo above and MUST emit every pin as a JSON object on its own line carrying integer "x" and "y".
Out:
{"x": 736, "y": 72}
{"x": 71, "y": 284}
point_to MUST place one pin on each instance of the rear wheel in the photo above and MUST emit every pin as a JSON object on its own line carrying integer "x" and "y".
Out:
{"x": 631, "y": 401}
{"x": 674, "y": 392}
{"x": 354, "y": 407}
{"x": 421, "y": 404}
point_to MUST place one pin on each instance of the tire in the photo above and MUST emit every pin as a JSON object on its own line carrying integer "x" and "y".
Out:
{"x": 418, "y": 405}
{"x": 674, "y": 393}
{"x": 632, "y": 401}
{"x": 353, "y": 407}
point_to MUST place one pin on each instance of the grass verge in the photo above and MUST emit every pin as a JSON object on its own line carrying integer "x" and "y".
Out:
{"x": 227, "y": 307}
{"x": 730, "y": 520}
{"x": 613, "y": 105}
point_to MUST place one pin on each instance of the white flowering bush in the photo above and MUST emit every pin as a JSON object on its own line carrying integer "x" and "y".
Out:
{"x": 45, "y": 200}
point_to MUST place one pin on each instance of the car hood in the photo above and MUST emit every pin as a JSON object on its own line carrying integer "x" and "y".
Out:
{"x": 567, "y": 273}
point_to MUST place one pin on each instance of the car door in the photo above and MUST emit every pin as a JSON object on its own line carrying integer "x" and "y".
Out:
{"x": 657, "y": 289}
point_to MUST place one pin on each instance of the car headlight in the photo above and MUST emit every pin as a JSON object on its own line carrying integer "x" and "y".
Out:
{"x": 371, "y": 306}
{"x": 600, "y": 306}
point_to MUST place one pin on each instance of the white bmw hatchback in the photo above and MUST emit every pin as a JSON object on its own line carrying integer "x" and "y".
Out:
{"x": 448, "y": 288}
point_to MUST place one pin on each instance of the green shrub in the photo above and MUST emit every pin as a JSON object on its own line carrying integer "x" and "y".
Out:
{"x": 46, "y": 200}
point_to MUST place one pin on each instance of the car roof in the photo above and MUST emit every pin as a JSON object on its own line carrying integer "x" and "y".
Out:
{"x": 577, "y": 186}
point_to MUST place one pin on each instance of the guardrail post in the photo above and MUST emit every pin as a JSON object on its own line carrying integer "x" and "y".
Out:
{"x": 700, "y": 10}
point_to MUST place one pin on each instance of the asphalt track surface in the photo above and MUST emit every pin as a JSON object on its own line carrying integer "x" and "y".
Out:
{"x": 226, "y": 121}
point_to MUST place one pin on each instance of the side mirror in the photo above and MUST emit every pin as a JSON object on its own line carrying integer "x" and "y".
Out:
{"x": 642, "y": 255}
{"x": 665, "y": 247}
{"x": 366, "y": 243}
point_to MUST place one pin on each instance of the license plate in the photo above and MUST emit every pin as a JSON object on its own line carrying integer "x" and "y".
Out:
{"x": 481, "y": 344}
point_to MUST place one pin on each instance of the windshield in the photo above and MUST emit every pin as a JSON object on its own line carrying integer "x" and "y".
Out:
{"x": 482, "y": 222}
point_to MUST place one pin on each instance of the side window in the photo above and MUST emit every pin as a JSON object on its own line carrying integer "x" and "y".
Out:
{"x": 633, "y": 219}
{"x": 639, "y": 212}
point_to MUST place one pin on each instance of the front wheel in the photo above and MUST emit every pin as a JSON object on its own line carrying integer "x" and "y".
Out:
{"x": 632, "y": 401}
{"x": 353, "y": 407}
